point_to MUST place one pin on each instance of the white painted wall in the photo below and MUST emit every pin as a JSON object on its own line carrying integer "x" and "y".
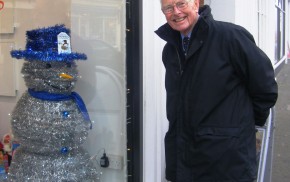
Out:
{"x": 155, "y": 121}
{"x": 257, "y": 16}
{"x": 246, "y": 15}
{"x": 288, "y": 28}
{"x": 223, "y": 10}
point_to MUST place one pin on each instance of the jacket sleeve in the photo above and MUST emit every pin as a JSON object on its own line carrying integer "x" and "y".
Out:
{"x": 256, "y": 71}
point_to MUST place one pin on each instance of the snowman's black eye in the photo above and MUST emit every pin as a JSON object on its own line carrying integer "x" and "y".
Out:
{"x": 47, "y": 66}
{"x": 68, "y": 65}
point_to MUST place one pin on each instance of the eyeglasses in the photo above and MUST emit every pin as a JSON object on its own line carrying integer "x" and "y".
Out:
{"x": 179, "y": 5}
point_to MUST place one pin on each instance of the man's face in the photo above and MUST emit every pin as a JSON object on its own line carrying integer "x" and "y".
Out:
{"x": 183, "y": 18}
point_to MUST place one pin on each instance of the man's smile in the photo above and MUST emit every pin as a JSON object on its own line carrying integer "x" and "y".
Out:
{"x": 179, "y": 19}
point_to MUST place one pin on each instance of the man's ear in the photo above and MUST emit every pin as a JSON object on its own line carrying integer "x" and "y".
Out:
{"x": 196, "y": 5}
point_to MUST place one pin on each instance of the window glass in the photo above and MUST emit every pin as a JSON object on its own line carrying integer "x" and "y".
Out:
{"x": 97, "y": 29}
{"x": 280, "y": 31}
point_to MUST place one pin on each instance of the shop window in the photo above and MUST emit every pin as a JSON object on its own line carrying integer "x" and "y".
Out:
{"x": 97, "y": 29}
{"x": 280, "y": 30}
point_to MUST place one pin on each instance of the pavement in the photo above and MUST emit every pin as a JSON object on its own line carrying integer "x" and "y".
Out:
{"x": 281, "y": 147}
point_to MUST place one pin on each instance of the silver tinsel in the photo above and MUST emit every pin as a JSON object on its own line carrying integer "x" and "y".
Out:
{"x": 44, "y": 76}
{"x": 50, "y": 133}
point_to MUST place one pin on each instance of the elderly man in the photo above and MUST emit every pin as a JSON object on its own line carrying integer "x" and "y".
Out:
{"x": 219, "y": 85}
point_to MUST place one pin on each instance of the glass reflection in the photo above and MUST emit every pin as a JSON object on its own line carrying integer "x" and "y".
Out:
{"x": 97, "y": 30}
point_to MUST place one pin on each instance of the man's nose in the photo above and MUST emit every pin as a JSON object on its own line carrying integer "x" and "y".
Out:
{"x": 175, "y": 9}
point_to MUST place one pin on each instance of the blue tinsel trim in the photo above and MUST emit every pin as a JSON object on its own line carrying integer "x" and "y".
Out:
{"x": 46, "y": 56}
{"x": 62, "y": 97}
{"x": 44, "y": 38}
{"x": 42, "y": 45}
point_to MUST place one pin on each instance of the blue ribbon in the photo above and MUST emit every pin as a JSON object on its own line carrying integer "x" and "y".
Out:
{"x": 62, "y": 97}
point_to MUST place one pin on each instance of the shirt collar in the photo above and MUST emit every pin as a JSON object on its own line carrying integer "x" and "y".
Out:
{"x": 189, "y": 34}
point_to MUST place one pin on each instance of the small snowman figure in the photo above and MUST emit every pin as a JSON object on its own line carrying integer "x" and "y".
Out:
{"x": 50, "y": 121}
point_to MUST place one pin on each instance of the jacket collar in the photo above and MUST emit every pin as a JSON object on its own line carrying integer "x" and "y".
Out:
{"x": 168, "y": 34}
{"x": 199, "y": 37}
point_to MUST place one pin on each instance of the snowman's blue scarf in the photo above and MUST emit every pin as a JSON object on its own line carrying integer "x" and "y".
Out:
{"x": 62, "y": 97}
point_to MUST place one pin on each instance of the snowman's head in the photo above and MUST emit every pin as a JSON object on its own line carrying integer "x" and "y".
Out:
{"x": 50, "y": 63}
{"x": 50, "y": 76}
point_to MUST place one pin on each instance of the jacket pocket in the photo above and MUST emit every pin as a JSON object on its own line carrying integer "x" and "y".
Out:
{"x": 217, "y": 131}
{"x": 213, "y": 150}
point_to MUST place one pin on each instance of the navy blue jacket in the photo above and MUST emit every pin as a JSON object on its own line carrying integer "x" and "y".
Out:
{"x": 215, "y": 97}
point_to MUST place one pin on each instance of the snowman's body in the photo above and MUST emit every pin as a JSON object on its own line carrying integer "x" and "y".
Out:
{"x": 43, "y": 127}
{"x": 50, "y": 125}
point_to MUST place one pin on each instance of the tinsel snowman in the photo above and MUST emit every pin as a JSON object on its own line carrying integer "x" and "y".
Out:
{"x": 50, "y": 121}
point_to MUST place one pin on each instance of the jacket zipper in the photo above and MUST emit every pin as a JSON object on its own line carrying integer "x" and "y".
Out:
{"x": 179, "y": 60}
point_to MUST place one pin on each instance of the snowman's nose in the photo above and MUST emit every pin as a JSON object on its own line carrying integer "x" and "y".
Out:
{"x": 65, "y": 76}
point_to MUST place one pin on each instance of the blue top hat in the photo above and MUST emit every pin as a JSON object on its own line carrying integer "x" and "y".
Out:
{"x": 42, "y": 45}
